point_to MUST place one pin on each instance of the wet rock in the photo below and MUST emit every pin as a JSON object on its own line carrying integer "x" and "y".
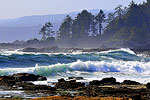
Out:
{"x": 129, "y": 82}
{"x": 148, "y": 85}
{"x": 75, "y": 78}
{"x": 104, "y": 81}
{"x": 41, "y": 78}
{"x": 7, "y": 80}
{"x": 135, "y": 94}
{"x": 62, "y": 84}
{"x": 92, "y": 91}
{"x": 28, "y": 77}
{"x": 38, "y": 87}
{"x": 95, "y": 82}
{"x": 109, "y": 81}
{"x": 31, "y": 86}
{"x": 19, "y": 81}
{"x": 61, "y": 80}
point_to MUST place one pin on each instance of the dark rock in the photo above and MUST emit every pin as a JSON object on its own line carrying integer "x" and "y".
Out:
{"x": 28, "y": 77}
{"x": 148, "y": 85}
{"x": 95, "y": 82}
{"x": 12, "y": 79}
{"x": 20, "y": 81}
{"x": 72, "y": 80}
{"x": 104, "y": 81}
{"x": 31, "y": 86}
{"x": 108, "y": 80}
{"x": 134, "y": 94}
{"x": 7, "y": 80}
{"x": 62, "y": 84}
{"x": 92, "y": 91}
{"x": 61, "y": 80}
{"x": 75, "y": 78}
{"x": 38, "y": 87}
{"x": 129, "y": 82}
{"x": 41, "y": 78}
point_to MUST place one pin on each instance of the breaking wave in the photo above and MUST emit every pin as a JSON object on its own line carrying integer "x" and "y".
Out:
{"x": 119, "y": 61}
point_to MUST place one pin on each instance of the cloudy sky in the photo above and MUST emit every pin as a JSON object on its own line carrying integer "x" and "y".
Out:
{"x": 19, "y": 8}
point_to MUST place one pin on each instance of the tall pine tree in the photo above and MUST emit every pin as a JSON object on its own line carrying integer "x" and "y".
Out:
{"x": 82, "y": 25}
{"x": 47, "y": 31}
{"x": 100, "y": 18}
{"x": 65, "y": 30}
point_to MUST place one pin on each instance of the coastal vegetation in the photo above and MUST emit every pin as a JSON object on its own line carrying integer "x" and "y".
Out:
{"x": 126, "y": 27}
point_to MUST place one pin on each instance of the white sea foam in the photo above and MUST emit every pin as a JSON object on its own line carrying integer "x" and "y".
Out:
{"x": 120, "y": 69}
{"x": 122, "y": 49}
{"x": 132, "y": 67}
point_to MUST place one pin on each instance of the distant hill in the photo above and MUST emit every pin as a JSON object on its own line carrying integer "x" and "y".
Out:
{"x": 27, "y": 27}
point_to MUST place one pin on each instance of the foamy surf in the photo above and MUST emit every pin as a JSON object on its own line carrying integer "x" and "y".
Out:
{"x": 120, "y": 63}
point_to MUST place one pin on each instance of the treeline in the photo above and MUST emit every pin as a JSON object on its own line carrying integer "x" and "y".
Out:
{"x": 126, "y": 26}
{"x": 132, "y": 28}
{"x": 73, "y": 31}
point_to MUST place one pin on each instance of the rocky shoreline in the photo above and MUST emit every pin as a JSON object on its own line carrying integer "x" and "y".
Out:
{"x": 107, "y": 87}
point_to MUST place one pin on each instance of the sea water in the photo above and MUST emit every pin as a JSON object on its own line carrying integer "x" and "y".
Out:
{"x": 121, "y": 64}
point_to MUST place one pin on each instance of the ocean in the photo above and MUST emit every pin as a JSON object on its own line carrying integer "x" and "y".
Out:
{"x": 121, "y": 64}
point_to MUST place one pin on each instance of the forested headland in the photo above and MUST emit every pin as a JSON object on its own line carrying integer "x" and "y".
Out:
{"x": 126, "y": 27}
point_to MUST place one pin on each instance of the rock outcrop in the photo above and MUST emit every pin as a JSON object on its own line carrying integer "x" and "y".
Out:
{"x": 129, "y": 82}
{"x": 104, "y": 81}
{"x": 28, "y": 77}
{"x": 21, "y": 81}
{"x": 72, "y": 84}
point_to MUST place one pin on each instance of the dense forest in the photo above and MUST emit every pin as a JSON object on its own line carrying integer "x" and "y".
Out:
{"x": 78, "y": 32}
{"x": 131, "y": 28}
{"x": 125, "y": 27}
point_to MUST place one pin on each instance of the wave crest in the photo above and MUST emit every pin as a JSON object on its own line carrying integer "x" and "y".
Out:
{"x": 88, "y": 66}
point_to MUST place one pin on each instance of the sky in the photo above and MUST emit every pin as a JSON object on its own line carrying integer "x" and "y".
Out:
{"x": 19, "y": 8}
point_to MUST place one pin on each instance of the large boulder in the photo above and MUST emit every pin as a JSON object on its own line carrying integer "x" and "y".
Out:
{"x": 63, "y": 84}
{"x": 104, "y": 81}
{"x": 129, "y": 82}
{"x": 22, "y": 81}
{"x": 31, "y": 86}
{"x": 95, "y": 82}
{"x": 61, "y": 80}
{"x": 148, "y": 85}
{"x": 75, "y": 78}
{"x": 109, "y": 81}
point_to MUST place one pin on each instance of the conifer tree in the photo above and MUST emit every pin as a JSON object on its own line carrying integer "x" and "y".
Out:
{"x": 100, "y": 18}
{"x": 82, "y": 24}
{"x": 46, "y": 31}
{"x": 65, "y": 30}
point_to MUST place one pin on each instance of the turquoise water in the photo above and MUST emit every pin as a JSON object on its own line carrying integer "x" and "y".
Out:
{"x": 122, "y": 63}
